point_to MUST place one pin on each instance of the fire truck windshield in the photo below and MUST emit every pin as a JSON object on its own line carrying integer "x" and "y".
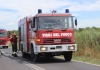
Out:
{"x": 55, "y": 22}
{"x": 3, "y": 34}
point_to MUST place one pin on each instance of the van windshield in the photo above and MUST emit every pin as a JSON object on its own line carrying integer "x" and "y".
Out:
{"x": 55, "y": 22}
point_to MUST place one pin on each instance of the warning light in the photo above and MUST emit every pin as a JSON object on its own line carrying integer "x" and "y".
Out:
{"x": 66, "y": 10}
{"x": 39, "y": 11}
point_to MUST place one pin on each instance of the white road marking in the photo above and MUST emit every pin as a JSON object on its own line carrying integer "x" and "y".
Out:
{"x": 86, "y": 63}
{"x": 29, "y": 64}
{"x": 33, "y": 66}
{"x": 39, "y": 68}
{"x": 82, "y": 62}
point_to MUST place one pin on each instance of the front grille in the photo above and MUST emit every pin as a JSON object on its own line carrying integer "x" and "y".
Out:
{"x": 52, "y": 40}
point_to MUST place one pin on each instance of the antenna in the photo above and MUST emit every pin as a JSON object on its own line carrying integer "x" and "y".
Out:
{"x": 48, "y": 5}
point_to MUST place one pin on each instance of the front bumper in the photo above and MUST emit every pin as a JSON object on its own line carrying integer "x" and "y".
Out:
{"x": 7, "y": 44}
{"x": 1, "y": 46}
{"x": 55, "y": 48}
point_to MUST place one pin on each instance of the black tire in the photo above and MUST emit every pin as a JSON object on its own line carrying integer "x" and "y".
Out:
{"x": 34, "y": 57}
{"x": 27, "y": 55}
{"x": 3, "y": 47}
{"x": 23, "y": 53}
{"x": 6, "y": 46}
{"x": 68, "y": 56}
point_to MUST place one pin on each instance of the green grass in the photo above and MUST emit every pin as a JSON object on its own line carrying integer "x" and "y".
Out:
{"x": 86, "y": 59}
{"x": 88, "y": 43}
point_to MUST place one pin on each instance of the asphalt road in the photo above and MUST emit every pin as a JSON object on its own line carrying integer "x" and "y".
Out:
{"x": 8, "y": 62}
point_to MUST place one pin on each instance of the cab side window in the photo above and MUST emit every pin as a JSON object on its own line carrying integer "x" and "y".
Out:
{"x": 34, "y": 22}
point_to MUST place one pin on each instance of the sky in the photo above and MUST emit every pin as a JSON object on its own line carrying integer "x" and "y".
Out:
{"x": 86, "y": 11}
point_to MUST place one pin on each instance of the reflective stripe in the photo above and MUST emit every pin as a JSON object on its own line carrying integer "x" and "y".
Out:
{"x": 14, "y": 52}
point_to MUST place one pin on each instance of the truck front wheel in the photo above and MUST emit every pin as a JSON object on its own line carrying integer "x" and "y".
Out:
{"x": 35, "y": 57}
{"x": 6, "y": 46}
{"x": 68, "y": 56}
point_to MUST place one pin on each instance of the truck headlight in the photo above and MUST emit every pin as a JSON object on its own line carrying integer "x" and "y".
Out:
{"x": 71, "y": 47}
{"x": 43, "y": 48}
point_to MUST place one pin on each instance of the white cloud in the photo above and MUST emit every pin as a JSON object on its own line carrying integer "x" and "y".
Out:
{"x": 89, "y": 7}
{"x": 29, "y": 7}
{"x": 89, "y": 23}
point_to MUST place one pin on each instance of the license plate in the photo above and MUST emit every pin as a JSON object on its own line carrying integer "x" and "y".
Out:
{"x": 57, "y": 40}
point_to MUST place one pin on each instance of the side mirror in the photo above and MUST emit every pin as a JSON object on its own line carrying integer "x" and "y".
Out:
{"x": 76, "y": 22}
{"x": 34, "y": 29}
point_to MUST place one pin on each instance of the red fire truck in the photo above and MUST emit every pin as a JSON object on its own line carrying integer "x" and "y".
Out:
{"x": 4, "y": 38}
{"x": 48, "y": 34}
